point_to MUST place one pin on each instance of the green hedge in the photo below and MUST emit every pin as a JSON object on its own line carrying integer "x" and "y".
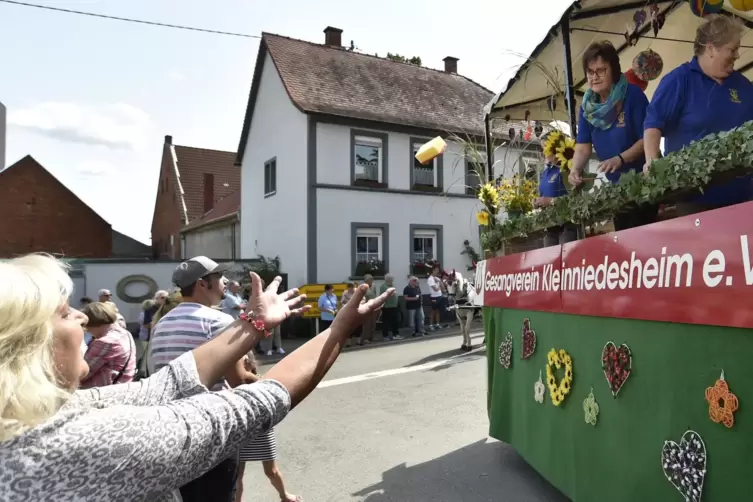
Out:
{"x": 690, "y": 168}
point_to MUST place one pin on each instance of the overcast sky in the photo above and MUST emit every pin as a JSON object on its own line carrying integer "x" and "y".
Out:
{"x": 92, "y": 99}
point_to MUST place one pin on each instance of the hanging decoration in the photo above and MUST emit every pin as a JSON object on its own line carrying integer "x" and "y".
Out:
{"x": 617, "y": 363}
{"x": 511, "y": 133}
{"x": 657, "y": 19}
{"x": 505, "y": 352}
{"x": 591, "y": 409}
{"x": 742, "y": 5}
{"x": 647, "y": 65}
{"x": 538, "y": 390}
{"x": 722, "y": 403}
{"x": 702, "y": 8}
{"x": 538, "y": 129}
{"x": 528, "y": 135}
{"x": 528, "y": 339}
{"x": 557, "y": 359}
{"x": 684, "y": 465}
{"x": 639, "y": 18}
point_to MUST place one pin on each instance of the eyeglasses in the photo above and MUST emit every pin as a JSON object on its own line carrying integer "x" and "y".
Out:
{"x": 598, "y": 72}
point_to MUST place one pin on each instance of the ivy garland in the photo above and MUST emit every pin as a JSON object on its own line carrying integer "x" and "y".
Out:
{"x": 687, "y": 169}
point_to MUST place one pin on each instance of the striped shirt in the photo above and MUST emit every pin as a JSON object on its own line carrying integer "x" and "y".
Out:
{"x": 181, "y": 330}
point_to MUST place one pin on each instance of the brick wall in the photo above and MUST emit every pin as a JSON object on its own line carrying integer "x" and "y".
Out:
{"x": 166, "y": 221}
{"x": 39, "y": 214}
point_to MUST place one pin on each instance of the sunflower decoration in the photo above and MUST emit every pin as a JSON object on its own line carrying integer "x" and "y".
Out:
{"x": 517, "y": 194}
{"x": 488, "y": 194}
{"x": 556, "y": 359}
{"x": 565, "y": 153}
{"x": 552, "y": 141}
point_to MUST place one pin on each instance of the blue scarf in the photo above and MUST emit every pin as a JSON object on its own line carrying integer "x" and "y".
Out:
{"x": 604, "y": 115}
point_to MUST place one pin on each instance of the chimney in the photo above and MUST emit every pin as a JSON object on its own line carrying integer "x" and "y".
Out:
{"x": 168, "y": 140}
{"x": 208, "y": 191}
{"x": 450, "y": 64}
{"x": 333, "y": 36}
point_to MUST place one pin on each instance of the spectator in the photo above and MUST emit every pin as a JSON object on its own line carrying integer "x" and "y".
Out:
{"x": 111, "y": 356}
{"x": 414, "y": 307}
{"x": 233, "y": 303}
{"x": 435, "y": 293}
{"x": 390, "y": 312}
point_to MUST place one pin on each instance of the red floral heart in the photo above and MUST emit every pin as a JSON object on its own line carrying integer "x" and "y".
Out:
{"x": 529, "y": 340}
{"x": 617, "y": 363}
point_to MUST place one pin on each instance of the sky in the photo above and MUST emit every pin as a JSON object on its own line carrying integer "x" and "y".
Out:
{"x": 92, "y": 99}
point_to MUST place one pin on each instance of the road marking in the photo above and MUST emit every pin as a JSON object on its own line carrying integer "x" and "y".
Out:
{"x": 400, "y": 371}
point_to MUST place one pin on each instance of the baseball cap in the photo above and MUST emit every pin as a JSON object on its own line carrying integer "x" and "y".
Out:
{"x": 104, "y": 292}
{"x": 194, "y": 269}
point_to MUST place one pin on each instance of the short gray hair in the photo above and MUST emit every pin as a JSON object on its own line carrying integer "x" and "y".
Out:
{"x": 412, "y": 278}
{"x": 388, "y": 277}
{"x": 717, "y": 30}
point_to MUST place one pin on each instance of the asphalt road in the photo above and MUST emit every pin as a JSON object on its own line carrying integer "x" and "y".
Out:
{"x": 400, "y": 423}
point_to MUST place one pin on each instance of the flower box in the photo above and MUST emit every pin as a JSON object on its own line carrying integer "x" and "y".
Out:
{"x": 375, "y": 268}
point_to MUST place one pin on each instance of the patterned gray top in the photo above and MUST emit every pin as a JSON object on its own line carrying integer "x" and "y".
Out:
{"x": 138, "y": 441}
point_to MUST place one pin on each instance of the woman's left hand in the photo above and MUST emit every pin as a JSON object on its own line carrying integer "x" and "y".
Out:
{"x": 610, "y": 165}
{"x": 271, "y": 308}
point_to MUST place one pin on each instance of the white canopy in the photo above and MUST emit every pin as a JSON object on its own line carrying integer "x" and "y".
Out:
{"x": 531, "y": 88}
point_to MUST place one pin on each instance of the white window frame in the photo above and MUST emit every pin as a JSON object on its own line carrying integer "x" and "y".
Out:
{"x": 371, "y": 142}
{"x": 370, "y": 232}
{"x": 269, "y": 166}
{"x": 435, "y": 168}
{"x": 423, "y": 234}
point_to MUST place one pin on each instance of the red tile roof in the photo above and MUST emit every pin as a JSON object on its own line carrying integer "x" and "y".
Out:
{"x": 223, "y": 209}
{"x": 193, "y": 163}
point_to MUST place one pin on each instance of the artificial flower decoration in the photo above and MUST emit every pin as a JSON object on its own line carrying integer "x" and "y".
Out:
{"x": 647, "y": 65}
{"x": 558, "y": 359}
{"x": 482, "y": 217}
{"x": 505, "y": 352}
{"x": 538, "y": 390}
{"x": 722, "y": 403}
{"x": 528, "y": 339}
{"x": 617, "y": 364}
{"x": 684, "y": 465}
{"x": 591, "y": 409}
{"x": 517, "y": 194}
{"x": 565, "y": 153}
{"x": 552, "y": 141}
{"x": 489, "y": 196}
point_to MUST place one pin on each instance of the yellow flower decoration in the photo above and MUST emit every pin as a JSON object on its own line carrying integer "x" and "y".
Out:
{"x": 556, "y": 359}
{"x": 551, "y": 143}
{"x": 565, "y": 153}
{"x": 482, "y": 217}
{"x": 489, "y": 196}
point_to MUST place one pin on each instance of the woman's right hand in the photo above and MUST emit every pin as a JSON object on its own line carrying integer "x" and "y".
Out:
{"x": 354, "y": 313}
{"x": 575, "y": 178}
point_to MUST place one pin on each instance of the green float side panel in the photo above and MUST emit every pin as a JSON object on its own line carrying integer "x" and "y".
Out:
{"x": 619, "y": 460}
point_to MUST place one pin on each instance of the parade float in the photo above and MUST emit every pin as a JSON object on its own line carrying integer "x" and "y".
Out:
{"x": 619, "y": 364}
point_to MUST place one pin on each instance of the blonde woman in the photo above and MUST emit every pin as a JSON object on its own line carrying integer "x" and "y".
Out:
{"x": 143, "y": 440}
{"x": 111, "y": 356}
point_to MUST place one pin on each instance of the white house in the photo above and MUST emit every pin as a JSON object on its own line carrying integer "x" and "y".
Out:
{"x": 328, "y": 176}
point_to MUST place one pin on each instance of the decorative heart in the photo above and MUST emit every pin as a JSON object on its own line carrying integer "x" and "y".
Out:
{"x": 684, "y": 465}
{"x": 617, "y": 363}
{"x": 505, "y": 352}
{"x": 529, "y": 340}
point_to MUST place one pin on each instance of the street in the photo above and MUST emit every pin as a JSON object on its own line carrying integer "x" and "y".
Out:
{"x": 399, "y": 423}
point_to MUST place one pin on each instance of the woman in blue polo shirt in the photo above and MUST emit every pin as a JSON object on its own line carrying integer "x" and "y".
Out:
{"x": 611, "y": 123}
{"x": 551, "y": 186}
{"x": 702, "y": 97}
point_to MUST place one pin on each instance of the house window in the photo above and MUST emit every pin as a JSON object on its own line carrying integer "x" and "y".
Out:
{"x": 368, "y": 158}
{"x": 370, "y": 247}
{"x": 426, "y": 248}
{"x": 270, "y": 177}
{"x": 426, "y": 177}
{"x": 475, "y": 173}
{"x": 528, "y": 164}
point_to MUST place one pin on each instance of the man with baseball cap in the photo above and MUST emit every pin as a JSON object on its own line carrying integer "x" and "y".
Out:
{"x": 187, "y": 326}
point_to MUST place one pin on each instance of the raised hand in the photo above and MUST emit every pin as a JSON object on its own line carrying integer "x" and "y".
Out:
{"x": 354, "y": 313}
{"x": 270, "y": 307}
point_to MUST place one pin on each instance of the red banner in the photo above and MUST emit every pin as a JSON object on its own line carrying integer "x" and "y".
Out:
{"x": 696, "y": 269}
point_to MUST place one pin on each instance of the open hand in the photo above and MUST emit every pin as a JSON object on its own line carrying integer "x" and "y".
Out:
{"x": 354, "y": 313}
{"x": 270, "y": 307}
{"x": 610, "y": 166}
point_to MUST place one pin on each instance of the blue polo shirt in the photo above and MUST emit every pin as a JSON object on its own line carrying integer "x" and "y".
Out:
{"x": 550, "y": 182}
{"x": 623, "y": 134}
{"x": 689, "y": 105}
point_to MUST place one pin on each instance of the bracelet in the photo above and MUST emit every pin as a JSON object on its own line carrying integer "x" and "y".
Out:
{"x": 621, "y": 159}
{"x": 256, "y": 323}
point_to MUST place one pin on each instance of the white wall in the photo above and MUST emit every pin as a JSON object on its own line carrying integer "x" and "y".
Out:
{"x": 213, "y": 241}
{"x": 278, "y": 130}
{"x": 456, "y": 215}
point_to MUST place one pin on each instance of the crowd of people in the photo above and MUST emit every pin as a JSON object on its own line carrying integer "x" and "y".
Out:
{"x": 617, "y": 122}
{"x": 76, "y": 426}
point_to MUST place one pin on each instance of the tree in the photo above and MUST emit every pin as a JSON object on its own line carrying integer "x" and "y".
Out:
{"x": 416, "y": 60}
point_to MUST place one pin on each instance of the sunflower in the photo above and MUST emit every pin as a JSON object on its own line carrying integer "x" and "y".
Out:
{"x": 565, "y": 386}
{"x": 552, "y": 357}
{"x": 569, "y": 371}
{"x": 552, "y": 142}
{"x": 565, "y": 153}
{"x": 557, "y": 398}
{"x": 489, "y": 195}
{"x": 551, "y": 381}
{"x": 482, "y": 217}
